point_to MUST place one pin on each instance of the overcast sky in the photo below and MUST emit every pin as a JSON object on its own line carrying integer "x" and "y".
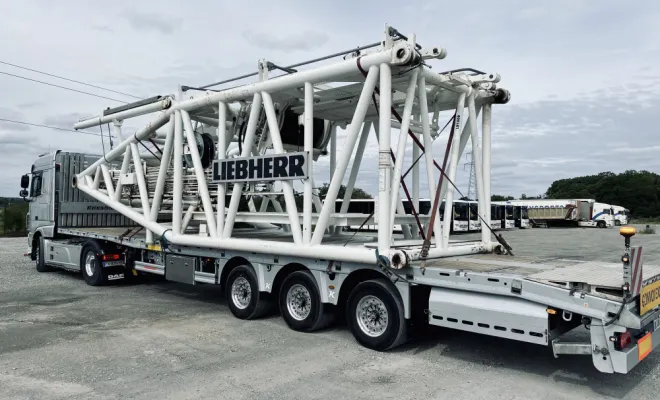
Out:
{"x": 584, "y": 75}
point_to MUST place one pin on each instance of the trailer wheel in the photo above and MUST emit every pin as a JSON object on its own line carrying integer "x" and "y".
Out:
{"x": 300, "y": 303}
{"x": 375, "y": 315}
{"x": 39, "y": 255}
{"x": 91, "y": 267}
{"x": 244, "y": 299}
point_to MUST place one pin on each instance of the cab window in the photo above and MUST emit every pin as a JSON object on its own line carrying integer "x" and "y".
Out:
{"x": 35, "y": 189}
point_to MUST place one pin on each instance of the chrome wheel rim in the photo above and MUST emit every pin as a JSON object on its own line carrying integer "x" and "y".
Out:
{"x": 90, "y": 263}
{"x": 372, "y": 316}
{"x": 299, "y": 302}
{"x": 241, "y": 293}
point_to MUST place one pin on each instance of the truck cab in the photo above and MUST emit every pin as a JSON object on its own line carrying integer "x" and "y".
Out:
{"x": 39, "y": 190}
{"x": 55, "y": 204}
{"x": 603, "y": 215}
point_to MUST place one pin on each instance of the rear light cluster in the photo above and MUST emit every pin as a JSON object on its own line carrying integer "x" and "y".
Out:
{"x": 621, "y": 340}
{"x": 111, "y": 257}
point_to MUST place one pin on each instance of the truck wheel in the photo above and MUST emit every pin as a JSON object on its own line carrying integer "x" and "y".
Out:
{"x": 39, "y": 256}
{"x": 91, "y": 267}
{"x": 300, "y": 303}
{"x": 601, "y": 224}
{"x": 375, "y": 315}
{"x": 617, "y": 223}
{"x": 243, "y": 296}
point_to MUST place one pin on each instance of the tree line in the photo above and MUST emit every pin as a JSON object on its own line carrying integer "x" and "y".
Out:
{"x": 638, "y": 191}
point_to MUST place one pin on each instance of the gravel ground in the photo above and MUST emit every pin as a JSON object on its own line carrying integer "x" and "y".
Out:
{"x": 62, "y": 339}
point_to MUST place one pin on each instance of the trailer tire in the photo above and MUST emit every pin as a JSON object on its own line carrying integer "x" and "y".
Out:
{"x": 375, "y": 299}
{"x": 90, "y": 266}
{"x": 39, "y": 255}
{"x": 300, "y": 303}
{"x": 244, "y": 299}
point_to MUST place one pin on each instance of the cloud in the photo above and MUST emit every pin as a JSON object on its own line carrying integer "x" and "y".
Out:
{"x": 153, "y": 22}
{"x": 9, "y": 114}
{"x": 301, "y": 41}
{"x": 63, "y": 120}
{"x": 103, "y": 28}
{"x": 7, "y": 139}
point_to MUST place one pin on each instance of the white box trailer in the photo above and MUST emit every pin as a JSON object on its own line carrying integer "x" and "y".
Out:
{"x": 565, "y": 212}
{"x": 186, "y": 210}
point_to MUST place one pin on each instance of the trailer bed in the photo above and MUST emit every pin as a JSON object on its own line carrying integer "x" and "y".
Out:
{"x": 602, "y": 279}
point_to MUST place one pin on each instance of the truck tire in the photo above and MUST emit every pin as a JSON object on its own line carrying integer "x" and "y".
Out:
{"x": 375, "y": 315}
{"x": 90, "y": 265}
{"x": 244, "y": 299}
{"x": 300, "y": 303}
{"x": 601, "y": 224}
{"x": 39, "y": 256}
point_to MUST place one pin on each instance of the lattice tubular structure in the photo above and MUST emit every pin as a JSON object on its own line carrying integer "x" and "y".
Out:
{"x": 174, "y": 191}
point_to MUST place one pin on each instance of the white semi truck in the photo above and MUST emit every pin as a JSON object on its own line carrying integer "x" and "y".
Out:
{"x": 186, "y": 209}
{"x": 621, "y": 215}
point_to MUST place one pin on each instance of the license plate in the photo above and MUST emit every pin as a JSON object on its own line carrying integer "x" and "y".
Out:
{"x": 112, "y": 263}
{"x": 649, "y": 298}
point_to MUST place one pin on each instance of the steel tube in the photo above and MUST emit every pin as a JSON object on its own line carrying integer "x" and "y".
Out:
{"x": 333, "y": 150}
{"x": 108, "y": 180}
{"x": 187, "y": 217}
{"x": 287, "y": 187}
{"x": 199, "y": 173}
{"x": 145, "y": 132}
{"x": 451, "y": 173}
{"x": 222, "y": 150}
{"x": 465, "y": 135}
{"x": 415, "y": 181}
{"x": 97, "y": 177}
{"x": 309, "y": 148}
{"x": 478, "y": 166}
{"x": 124, "y": 169}
{"x": 142, "y": 184}
{"x": 401, "y": 54}
{"x": 349, "y": 144}
{"x": 401, "y": 146}
{"x": 486, "y": 138}
{"x": 356, "y": 254}
{"x": 177, "y": 187}
{"x": 162, "y": 171}
{"x": 255, "y": 111}
{"x": 133, "y": 112}
{"x": 399, "y": 205}
{"x": 438, "y": 228}
{"x": 384, "y": 159}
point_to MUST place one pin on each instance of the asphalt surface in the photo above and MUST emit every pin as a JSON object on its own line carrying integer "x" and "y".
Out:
{"x": 62, "y": 339}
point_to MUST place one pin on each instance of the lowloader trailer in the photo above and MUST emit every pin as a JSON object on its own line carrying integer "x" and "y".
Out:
{"x": 218, "y": 189}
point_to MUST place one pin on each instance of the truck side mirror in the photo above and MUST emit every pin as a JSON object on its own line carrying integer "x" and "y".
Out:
{"x": 23, "y": 193}
{"x": 25, "y": 182}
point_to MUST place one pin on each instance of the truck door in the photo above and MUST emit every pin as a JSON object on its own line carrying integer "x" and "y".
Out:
{"x": 40, "y": 195}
